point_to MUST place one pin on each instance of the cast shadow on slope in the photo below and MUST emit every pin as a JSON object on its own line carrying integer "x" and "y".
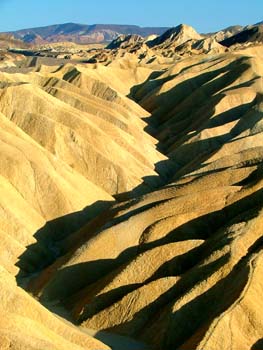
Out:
{"x": 258, "y": 345}
{"x": 202, "y": 310}
{"x": 174, "y": 132}
{"x": 184, "y": 158}
{"x": 222, "y": 296}
{"x": 165, "y": 172}
{"x": 194, "y": 92}
{"x": 64, "y": 226}
{"x": 72, "y": 279}
{"x": 167, "y": 168}
{"x": 46, "y": 249}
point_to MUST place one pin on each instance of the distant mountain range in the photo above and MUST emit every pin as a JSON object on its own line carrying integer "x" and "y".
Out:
{"x": 82, "y": 33}
{"x": 106, "y": 33}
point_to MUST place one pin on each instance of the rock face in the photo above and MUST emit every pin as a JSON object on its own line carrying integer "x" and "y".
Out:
{"x": 27, "y": 325}
{"x": 225, "y": 33}
{"x": 175, "y": 43}
{"x": 176, "y": 36}
{"x": 251, "y": 34}
{"x": 124, "y": 41}
{"x": 75, "y": 143}
{"x": 131, "y": 197}
{"x": 184, "y": 40}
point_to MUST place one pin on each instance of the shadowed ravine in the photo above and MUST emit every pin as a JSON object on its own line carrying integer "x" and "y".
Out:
{"x": 131, "y": 199}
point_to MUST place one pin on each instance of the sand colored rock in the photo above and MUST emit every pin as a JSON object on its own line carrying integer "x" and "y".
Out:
{"x": 250, "y": 34}
{"x": 25, "y": 324}
{"x": 131, "y": 196}
{"x": 87, "y": 122}
{"x": 175, "y": 36}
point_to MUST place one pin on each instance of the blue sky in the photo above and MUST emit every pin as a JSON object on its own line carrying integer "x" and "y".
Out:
{"x": 204, "y": 15}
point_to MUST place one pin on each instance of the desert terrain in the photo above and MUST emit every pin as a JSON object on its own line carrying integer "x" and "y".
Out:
{"x": 131, "y": 190}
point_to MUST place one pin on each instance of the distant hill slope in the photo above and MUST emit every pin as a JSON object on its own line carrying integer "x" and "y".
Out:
{"x": 248, "y": 35}
{"x": 7, "y": 41}
{"x": 82, "y": 33}
{"x": 225, "y": 33}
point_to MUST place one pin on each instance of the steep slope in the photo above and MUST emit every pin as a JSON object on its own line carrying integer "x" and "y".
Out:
{"x": 27, "y": 325}
{"x": 152, "y": 50}
{"x": 37, "y": 187}
{"x": 252, "y": 34}
{"x": 175, "y": 43}
{"x": 187, "y": 106}
{"x": 179, "y": 264}
{"x": 85, "y": 123}
{"x": 124, "y": 41}
{"x": 162, "y": 253}
{"x": 225, "y": 33}
{"x": 183, "y": 40}
{"x": 68, "y": 141}
{"x": 74, "y": 144}
{"x": 175, "y": 36}
{"x": 139, "y": 215}
{"x": 197, "y": 47}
